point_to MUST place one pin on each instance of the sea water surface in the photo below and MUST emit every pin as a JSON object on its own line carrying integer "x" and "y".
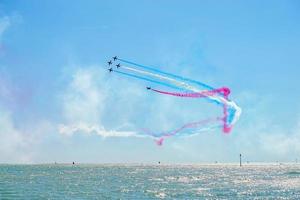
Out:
{"x": 87, "y": 181}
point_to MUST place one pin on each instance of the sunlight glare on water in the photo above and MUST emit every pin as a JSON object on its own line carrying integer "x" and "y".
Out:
{"x": 149, "y": 181}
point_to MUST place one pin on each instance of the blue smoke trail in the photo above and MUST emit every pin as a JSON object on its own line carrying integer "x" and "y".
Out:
{"x": 162, "y": 83}
{"x": 147, "y": 79}
{"x": 168, "y": 74}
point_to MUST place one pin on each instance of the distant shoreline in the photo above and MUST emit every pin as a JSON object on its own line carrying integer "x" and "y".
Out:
{"x": 161, "y": 164}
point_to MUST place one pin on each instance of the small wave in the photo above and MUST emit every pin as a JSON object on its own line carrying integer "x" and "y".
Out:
{"x": 161, "y": 195}
{"x": 293, "y": 173}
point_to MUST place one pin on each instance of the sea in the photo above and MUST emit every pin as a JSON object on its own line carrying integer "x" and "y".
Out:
{"x": 141, "y": 181}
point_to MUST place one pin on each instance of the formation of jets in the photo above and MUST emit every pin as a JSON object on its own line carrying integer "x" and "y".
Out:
{"x": 110, "y": 62}
{"x": 110, "y": 69}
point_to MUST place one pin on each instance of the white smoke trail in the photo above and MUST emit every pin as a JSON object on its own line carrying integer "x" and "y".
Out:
{"x": 186, "y": 86}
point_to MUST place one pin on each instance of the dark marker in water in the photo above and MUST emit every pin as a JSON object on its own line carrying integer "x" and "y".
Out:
{"x": 240, "y": 160}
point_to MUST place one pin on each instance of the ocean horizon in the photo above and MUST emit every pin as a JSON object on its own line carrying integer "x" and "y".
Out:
{"x": 150, "y": 181}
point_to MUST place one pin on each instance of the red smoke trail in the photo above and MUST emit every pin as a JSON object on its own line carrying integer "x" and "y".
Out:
{"x": 162, "y": 136}
{"x": 224, "y": 91}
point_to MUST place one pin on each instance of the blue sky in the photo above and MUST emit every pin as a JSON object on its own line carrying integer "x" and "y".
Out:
{"x": 52, "y": 74}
